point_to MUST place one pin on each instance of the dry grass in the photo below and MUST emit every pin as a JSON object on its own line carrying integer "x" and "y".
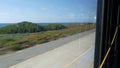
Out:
{"x": 19, "y": 42}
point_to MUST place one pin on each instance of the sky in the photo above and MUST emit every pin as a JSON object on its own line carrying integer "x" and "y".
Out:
{"x": 41, "y": 11}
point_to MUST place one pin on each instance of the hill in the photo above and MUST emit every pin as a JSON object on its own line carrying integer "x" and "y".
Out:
{"x": 29, "y": 27}
{"x": 22, "y": 27}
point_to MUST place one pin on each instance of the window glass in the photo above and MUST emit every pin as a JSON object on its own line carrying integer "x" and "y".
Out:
{"x": 47, "y": 33}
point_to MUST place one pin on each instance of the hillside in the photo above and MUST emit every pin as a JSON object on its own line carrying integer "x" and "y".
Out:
{"x": 18, "y": 41}
{"x": 28, "y": 27}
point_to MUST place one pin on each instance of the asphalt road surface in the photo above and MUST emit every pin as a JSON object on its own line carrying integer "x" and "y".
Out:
{"x": 18, "y": 57}
{"x": 76, "y": 54}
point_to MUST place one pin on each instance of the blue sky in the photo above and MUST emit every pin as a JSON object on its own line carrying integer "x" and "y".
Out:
{"x": 13, "y": 11}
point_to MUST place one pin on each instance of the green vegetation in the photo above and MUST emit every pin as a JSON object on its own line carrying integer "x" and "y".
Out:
{"x": 54, "y": 27}
{"x": 28, "y": 27}
{"x": 50, "y": 32}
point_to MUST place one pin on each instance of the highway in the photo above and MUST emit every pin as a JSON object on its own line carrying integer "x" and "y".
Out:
{"x": 75, "y": 54}
{"x": 54, "y": 53}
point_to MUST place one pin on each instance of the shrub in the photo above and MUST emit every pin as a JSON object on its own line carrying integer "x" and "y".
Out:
{"x": 15, "y": 47}
{"x": 54, "y": 27}
{"x": 22, "y": 27}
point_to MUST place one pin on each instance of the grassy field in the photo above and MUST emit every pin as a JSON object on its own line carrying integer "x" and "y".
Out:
{"x": 14, "y": 42}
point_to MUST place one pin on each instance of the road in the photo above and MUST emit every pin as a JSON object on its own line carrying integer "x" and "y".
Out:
{"x": 20, "y": 56}
{"x": 75, "y": 54}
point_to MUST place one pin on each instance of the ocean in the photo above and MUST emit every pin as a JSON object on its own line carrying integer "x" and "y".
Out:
{"x": 43, "y": 24}
{"x": 4, "y": 24}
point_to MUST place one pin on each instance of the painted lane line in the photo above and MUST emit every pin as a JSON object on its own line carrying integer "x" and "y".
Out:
{"x": 73, "y": 61}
